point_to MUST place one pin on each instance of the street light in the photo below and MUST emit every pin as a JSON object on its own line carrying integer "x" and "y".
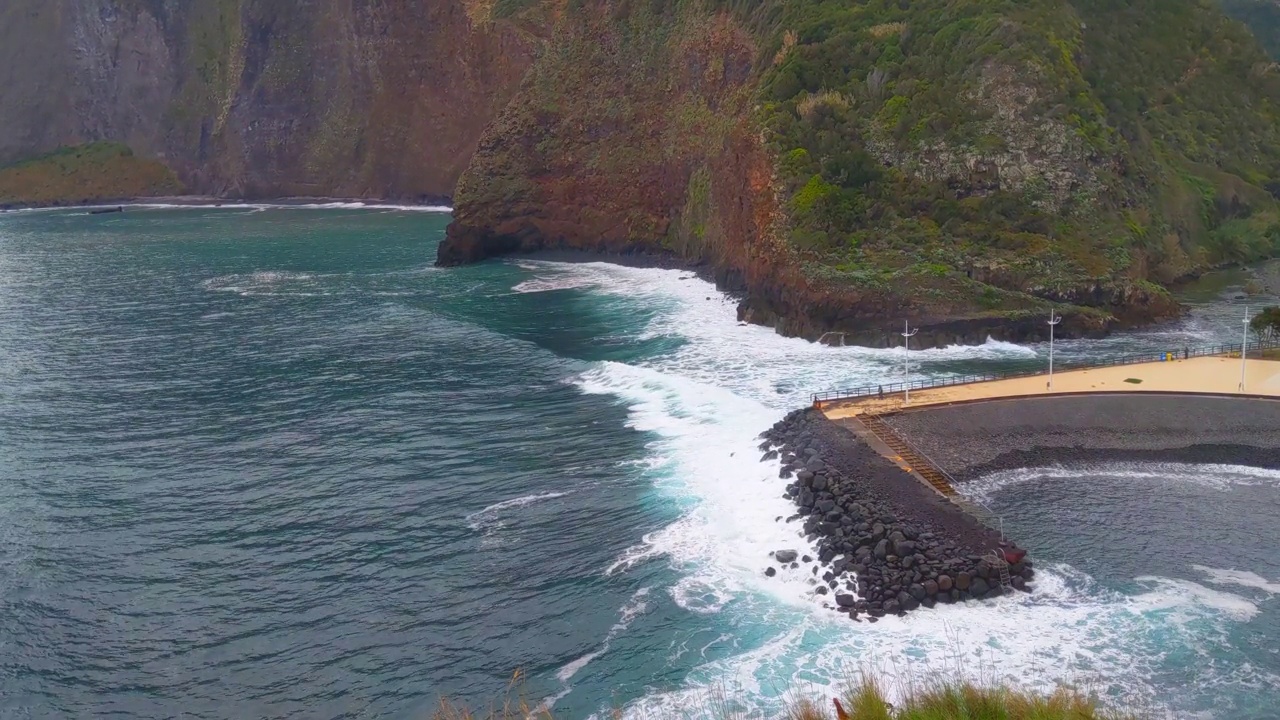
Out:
{"x": 1244, "y": 346}
{"x": 907, "y": 332}
{"x": 1052, "y": 322}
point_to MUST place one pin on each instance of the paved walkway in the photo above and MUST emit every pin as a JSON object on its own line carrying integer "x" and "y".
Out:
{"x": 1218, "y": 375}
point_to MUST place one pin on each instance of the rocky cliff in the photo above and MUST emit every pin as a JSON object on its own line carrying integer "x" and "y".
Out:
{"x": 262, "y": 98}
{"x": 968, "y": 166}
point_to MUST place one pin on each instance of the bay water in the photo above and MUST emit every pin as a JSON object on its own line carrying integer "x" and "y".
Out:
{"x": 262, "y": 461}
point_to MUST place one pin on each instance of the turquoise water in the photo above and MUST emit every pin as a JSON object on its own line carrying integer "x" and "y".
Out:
{"x": 270, "y": 462}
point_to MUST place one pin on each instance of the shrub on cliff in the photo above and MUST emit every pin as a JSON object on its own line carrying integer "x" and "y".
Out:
{"x": 1033, "y": 145}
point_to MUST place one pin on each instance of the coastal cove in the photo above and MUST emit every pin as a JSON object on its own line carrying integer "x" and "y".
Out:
{"x": 272, "y": 460}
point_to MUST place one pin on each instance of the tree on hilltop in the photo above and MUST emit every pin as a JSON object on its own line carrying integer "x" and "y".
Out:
{"x": 1266, "y": 324}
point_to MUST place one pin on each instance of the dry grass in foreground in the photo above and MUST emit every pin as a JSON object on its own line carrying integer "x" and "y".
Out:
{"x": 866, "y": 700}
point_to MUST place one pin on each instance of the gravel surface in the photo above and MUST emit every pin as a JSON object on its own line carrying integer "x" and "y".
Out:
{"x": 975, "y": 439}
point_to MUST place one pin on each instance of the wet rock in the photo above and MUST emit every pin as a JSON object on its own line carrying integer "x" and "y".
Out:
{"x": 978, "y": 587}
{"x": 963, "y": 580}
{"x": 785, "y": 556}
{"x": 770, "y": 572}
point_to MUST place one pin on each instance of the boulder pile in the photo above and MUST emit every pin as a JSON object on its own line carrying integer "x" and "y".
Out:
{"x": 874, "y": 559}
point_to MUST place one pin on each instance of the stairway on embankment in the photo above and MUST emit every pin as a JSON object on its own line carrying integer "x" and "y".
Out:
{"x": 896, "y": 448}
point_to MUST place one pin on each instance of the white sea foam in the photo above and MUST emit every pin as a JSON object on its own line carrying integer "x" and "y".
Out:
{"x": 1214, "y": 476}
{"x": 1243, "y": 578}
{"x": 633, "y": 556}
{"x": 265, "y": 282}
{"x": 488, "y": 518}
{"x": 538, "y": 285}
{"x": 749, "y": 360}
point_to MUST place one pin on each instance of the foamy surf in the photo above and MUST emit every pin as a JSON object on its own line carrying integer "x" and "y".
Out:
{"x": 1242, "y": 578}
{"x": 1112, "y": 644}
{"x": 1213, "y": 476}
{"x": 750, "y": 360}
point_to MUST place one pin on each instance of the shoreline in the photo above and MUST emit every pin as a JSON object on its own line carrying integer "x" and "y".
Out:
{"x": 440, "y": 204}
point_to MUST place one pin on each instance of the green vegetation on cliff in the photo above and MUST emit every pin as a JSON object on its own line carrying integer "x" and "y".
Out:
{"x": 84, "y": 174}
{"x": 1041, "y": 148}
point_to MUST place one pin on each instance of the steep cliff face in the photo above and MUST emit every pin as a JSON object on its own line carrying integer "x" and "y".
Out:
{"x": 260, "y": 97}
{"x": 967, "y": 167}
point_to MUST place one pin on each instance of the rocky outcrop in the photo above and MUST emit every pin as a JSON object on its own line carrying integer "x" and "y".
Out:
{"x": 884, "y": 548}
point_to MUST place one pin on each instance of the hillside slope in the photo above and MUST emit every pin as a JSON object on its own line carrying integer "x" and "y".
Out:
{"x": 967, "y": 166}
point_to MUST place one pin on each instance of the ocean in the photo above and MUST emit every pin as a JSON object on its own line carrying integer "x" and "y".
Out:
{"x": 260, "y": 461}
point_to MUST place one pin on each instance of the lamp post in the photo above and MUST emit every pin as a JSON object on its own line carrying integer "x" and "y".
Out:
{"x": 1053, "y": 320}
{"x": 907, "y": 332}
{"x": 1244, "y": 346}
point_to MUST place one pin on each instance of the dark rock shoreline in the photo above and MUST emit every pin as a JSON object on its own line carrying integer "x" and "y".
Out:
{"x": 888, "y": 544}
{"x": 773, "y": 306}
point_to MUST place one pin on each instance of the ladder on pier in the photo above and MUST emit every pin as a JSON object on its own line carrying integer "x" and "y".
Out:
{"x": 1002, "y": 567}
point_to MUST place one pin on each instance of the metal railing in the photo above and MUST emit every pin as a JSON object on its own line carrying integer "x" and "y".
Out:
{"x": 925, "y": 384}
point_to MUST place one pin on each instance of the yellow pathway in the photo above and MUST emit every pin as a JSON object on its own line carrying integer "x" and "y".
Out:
{"x": 1197, "y": 375}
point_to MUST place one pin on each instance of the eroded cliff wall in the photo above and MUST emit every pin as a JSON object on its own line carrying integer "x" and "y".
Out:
{"x": 261, "y": 98}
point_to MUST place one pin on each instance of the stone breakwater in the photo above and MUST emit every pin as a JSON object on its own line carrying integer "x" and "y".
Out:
{"x": 887, "y": 545}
